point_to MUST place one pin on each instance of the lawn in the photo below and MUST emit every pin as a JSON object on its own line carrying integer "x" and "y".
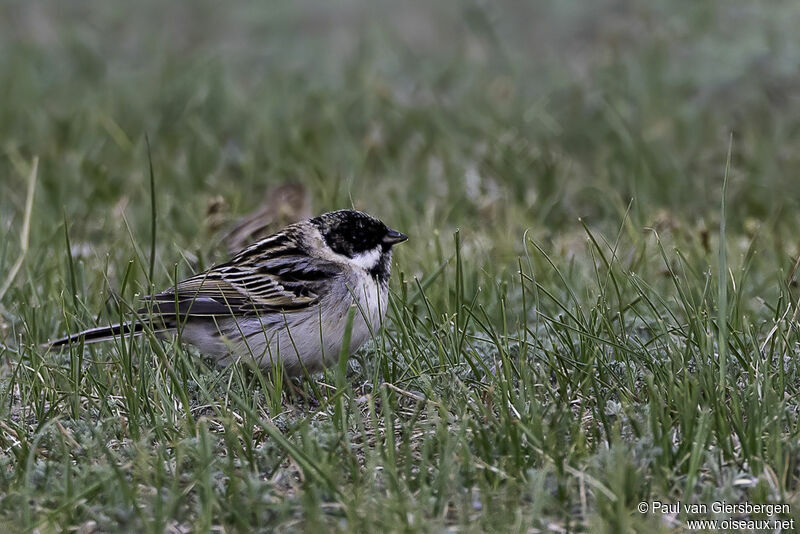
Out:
{"x": 597, "y": 306}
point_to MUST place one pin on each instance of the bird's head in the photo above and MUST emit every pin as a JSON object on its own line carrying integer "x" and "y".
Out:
{"x": 361, "y": 239}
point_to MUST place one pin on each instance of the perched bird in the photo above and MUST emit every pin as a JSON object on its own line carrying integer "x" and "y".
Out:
{"x": 281, "y": 301}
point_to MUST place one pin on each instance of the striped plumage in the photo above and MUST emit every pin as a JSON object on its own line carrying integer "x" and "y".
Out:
{"x": 282, "y": 300}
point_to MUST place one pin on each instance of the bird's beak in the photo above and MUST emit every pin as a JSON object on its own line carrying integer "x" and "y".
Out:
{"x": 394, "y": 237}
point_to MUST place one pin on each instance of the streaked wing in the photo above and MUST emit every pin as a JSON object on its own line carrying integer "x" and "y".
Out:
{"x": 274, "y": 275}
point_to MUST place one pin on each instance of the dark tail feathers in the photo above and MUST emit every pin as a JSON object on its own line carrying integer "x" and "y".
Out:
{"x": 101, "y": 333}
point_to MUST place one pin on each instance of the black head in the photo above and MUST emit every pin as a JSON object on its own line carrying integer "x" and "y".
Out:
{"x": 362, "y": 238}
{"x": 351, "y": 233}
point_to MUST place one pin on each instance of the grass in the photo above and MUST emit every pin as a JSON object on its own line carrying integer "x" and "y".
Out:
{"x": 568, "y": 333}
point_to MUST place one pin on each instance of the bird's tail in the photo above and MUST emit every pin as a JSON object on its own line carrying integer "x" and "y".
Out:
{"x": 101, "y": 333}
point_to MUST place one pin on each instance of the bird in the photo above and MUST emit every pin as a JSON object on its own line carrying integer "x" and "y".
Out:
{"x": 282, "y": 301}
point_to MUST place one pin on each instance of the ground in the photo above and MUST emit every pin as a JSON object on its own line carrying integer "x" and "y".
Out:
{"x": 597, "y": 306}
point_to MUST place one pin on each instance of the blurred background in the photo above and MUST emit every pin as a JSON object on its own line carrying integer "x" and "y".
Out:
{"x": 492, "y": 117}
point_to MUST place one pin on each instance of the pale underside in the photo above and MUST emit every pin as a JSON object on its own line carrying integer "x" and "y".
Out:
{"x": 300, "y": 341}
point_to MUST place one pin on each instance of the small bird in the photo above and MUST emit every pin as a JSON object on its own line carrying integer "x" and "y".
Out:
{"x": 283, "y": 300}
